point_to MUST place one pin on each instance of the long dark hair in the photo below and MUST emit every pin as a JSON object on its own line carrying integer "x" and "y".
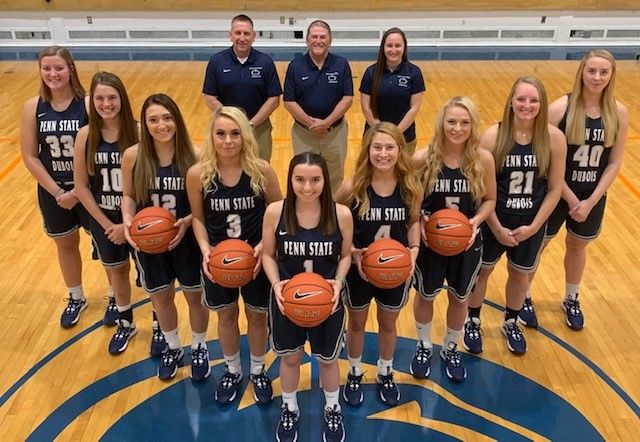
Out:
{"x": 328, "y": 220}
{"x": 128, "y": 130}
{"x": 381, "y": 65}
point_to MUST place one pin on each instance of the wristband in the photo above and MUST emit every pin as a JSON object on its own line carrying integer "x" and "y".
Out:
{"x": 414, "y": 247}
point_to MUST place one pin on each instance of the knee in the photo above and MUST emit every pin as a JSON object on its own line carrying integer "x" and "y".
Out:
{"x": 356, "y": 323}
{"x": 575, "y": 246}
{"x": 69, "y": 243}
{"x": 291, "y": 361}
{"x": 256, "y": 320}
{"x": 228, "y": 318}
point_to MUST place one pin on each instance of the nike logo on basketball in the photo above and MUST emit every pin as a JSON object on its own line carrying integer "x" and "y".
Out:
{"x": 141, "y": 227}
{"x": 446, "y": 226}
{"x": 298, "y": 295}
{"x": 385, "y": 259}
{"x": 282, "y": 232}
{"x": 228, "y": 261}
{"x": 42, "y": 114}
{"x": 226, "y": 70}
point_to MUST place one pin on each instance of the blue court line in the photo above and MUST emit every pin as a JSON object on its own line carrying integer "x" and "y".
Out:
{"x": 597, "y": 370}
{"x": 44, "y": 361}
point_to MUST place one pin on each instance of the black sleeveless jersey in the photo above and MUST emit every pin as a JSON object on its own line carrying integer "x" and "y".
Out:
{"x": 309, "y": 250}
{"x": 387, "y": 217}
{"x": 170, "y": 192}
{"x": 520, "y": 190}
{"x": 106, "y": 184}
{"x": 452, "y": 190}
{"x": 234, "y": 212}
{"x": 585, "y": 163}
{"x": 57, "y": 136}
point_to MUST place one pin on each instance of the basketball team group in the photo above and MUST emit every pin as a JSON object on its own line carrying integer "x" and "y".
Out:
{"x": 544, "y": 164}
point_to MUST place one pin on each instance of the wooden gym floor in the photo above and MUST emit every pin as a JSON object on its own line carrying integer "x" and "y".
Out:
{"x": 569, "y": 385}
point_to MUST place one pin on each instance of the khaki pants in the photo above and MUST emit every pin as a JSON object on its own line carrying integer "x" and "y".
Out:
{"x": 263, "y": 137}
{"x": 333, "y": 147}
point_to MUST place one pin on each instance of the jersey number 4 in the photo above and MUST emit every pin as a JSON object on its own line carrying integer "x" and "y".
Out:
{"x": 588, "y": 155}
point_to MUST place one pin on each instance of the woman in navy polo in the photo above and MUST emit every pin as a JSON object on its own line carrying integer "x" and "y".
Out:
{"x": 392, "y": 88}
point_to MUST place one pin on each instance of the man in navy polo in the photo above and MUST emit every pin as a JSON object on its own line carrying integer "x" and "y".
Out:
{"x": 318, "y": 91}
{"x": 247, "y": 78}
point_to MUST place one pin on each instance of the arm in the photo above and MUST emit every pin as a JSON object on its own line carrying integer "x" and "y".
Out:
{"x": 194, "y": 192}
{"x": 128, "y": 207}
{"x": 298, "y": 114}
{"x": 414, "y": 232}
{"x": 365, "y": 104}
{"x": 345, "y": 223}
{"x": 269, "y": 263}
{"x": 265, "y": 111}
{"x": 488, "y": 205}
{"x": 321, "y": 127}
{"x": 212, "y": 102}
{"x": 410, "y": 116}
{"x": 581, "y": 210}
{"x": 557, "y": 110}
{"x": 555, "y": 180}
{"x": 271, "y": 195}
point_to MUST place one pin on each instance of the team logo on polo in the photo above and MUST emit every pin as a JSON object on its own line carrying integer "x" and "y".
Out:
{"x": 433, "y": 409}
{"x": 403, "y": 80}
{"x": 332, "y": 77}
{"x": 255, "y": 72}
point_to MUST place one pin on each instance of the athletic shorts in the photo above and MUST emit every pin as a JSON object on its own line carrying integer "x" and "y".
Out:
{"x": 587, "y": 230}
{"x": 361, "y": 293}
{"x": 523, "y": 257}
{"x": 110, "y": 254}
{"x": 460, "y": 271}
{"x": 60, "y": 222}
{"x": 255, "y": 294}
{"x": 157, "y": 272}
{"x": 287, "y": 338}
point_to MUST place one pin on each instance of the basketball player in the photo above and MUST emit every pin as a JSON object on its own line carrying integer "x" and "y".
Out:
{"x": 228, "y": 190}
{"x": 384, "y": 196}
{"x": 392, "y": 87}
{"x": 595, "y": 124}
{"x": 456, "y": 174}
{"x": 154, "y": 174}
{"x": 98, "y": 185}
{"x": 50, "y": 122}
{"x": 529, "y": 157}
{"x": 307, "y": 232}
{"x": 245, "y": 77}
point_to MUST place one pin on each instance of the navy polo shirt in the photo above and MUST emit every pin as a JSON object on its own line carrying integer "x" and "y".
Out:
{"x": 318, "y": 91}
{"x": 247, "y": 85}
{"x": 394, "y": 96}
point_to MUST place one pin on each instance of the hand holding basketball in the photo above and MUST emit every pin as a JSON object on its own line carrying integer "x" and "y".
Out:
{"x": 115, "y": 234}
{"x": 232, "y": 263}
{"x": 309, "y": 299}
{"x": 181, "y": 225}
{"x": 356, "y": 258}
{"x": 152, "y": 229}
{"x": 448, "y": 232}
{"x": 257, "y": 254}
{"x": 277, "y": 292}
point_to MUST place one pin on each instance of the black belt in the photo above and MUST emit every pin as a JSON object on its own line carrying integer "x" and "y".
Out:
{"x": 333, "y": 126}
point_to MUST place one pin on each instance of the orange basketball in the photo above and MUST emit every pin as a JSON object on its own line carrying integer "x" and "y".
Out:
{"x": 448, "y": 232}
{"x": 152, "y": 228}
{"x": 307, "y": 299}
{"x": 386, "y": 263}
{"x": 231, "y": 263}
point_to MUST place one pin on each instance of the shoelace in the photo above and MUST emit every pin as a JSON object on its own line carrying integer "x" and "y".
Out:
{"x": 157, "y": 335}
{"x": 527, "y": 307}
{"x": 228, "y": 380}
{"x": 514, "y": 331}
{"x": 199, "y": 356}
{"x": 473, "y": 330}
{"x": 170, "y": 356}
{"x": 453, "y": 355}
{"x": 573, "y": 306}
{"x": 353, "y": 381}
{"x": 73, "y": 304}
{"x": 333, "y": 418}
{"x": 422, "y": 354}
{"x": 260, "y": 381}
{"x": 387, "y": 381}
{"x": 122, "y": 332}
{"x": 288, "y": 418}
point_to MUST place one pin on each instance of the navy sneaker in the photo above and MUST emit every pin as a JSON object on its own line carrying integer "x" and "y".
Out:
{"x": 453, "y": 363}
{"x": 158, "y": 343}
{"x": 122, "y": 336}
{"x": 71, "y": 313}
{"x": 200, "y": 367}
{"x": 228, "y": 387}
{"x": 333, "y": 427}
{"x": 387, "y": 389}
{"x": 262, "y": 389}
{"x": 421, "y": 363}
{"x": 168, "y": 367}
{"x": 352, "y": 392}
{"x": 574, "y": 316}
{"x": 515, "y": 339}
{"x": 287, "y": 429}
{"x": 527, "y": 315}
{"x": 472, "y": 339}
{"x": 111, "y": 314}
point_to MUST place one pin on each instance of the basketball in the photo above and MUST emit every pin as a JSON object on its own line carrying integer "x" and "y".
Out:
{"x": 307, "y": 299}
{"x": 231, "y": 263}
{"x": 386, "y": 263}
{"x": 448, "y": 232}
{"x": 152, "y": 228}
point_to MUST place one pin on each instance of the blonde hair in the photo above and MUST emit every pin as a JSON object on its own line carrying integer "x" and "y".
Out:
{"x": 576, "y": 116}
{"x": 147, "y": 161}
{"x": 540, "y": 139}
{"x": 404, "y": 172}
{"x": 470, "y": 164}
{"x": 249, "y": 160}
